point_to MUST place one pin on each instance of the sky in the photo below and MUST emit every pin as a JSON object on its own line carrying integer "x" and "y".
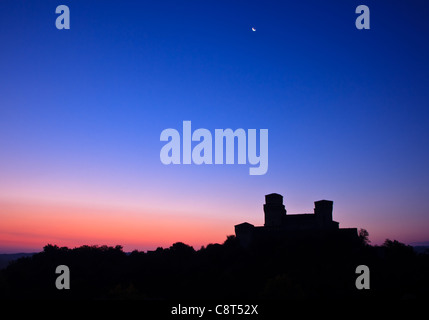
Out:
{"x": 82, "y": 110}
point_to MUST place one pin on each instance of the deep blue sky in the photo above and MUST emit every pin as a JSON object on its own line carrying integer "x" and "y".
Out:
{"x": 81, "y": 110}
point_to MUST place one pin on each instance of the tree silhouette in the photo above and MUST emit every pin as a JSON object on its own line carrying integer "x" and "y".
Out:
{"x": 364, "y": 236}
{"x": 268, "y": 270}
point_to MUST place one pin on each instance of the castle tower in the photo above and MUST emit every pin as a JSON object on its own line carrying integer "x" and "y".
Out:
{"x": 323, "y": 211}
{"x": 274, "y": 210}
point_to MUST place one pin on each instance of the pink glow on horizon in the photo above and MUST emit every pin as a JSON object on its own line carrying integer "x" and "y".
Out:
{"x": 72, "y": 226}
{"x": 28, "y": 225}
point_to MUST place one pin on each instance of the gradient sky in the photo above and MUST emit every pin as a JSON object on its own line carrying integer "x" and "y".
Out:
{"x": 81, "y": 112}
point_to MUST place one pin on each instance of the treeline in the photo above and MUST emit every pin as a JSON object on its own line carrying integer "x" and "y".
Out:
{"x": 272, "y": 270}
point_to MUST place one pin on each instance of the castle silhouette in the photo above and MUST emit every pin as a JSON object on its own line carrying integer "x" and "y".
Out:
{"x": 279, "y": 225}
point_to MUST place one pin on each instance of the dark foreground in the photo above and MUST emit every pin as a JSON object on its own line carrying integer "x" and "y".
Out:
{"x": 300, "y": 270}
